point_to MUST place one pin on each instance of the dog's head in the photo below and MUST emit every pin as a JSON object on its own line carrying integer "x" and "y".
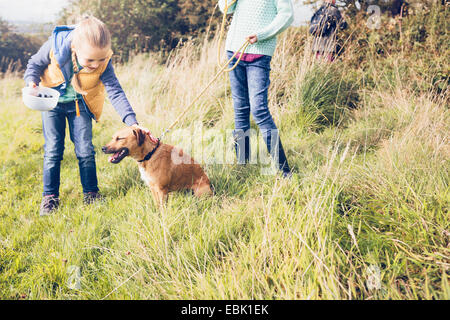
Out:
{"x": 125, "y": 142}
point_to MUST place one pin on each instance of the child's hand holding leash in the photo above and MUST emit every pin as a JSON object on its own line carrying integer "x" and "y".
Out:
{"x": 252, "y": 39}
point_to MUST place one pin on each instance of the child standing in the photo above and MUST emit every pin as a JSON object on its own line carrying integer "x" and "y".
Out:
{"x": 76, "y": 61}
{"x": 259, "y": 22}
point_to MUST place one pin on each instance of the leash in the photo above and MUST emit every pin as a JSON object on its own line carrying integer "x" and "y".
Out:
{"x": 223, "y": 68}
{"x": 222, "y": 32}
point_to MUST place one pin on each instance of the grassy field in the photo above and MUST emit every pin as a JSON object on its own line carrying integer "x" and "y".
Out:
{"x": 365, "y": 215}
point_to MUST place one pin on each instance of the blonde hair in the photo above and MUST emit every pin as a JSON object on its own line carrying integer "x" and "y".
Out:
{"x": 93, "y": 32}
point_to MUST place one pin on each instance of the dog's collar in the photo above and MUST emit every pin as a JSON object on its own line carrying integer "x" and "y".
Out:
{"x": 150, "y": 154}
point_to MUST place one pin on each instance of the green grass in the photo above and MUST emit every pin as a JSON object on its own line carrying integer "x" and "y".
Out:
{"x": 370, "y": 195}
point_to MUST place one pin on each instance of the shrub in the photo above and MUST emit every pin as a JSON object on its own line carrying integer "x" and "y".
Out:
{"x": 15, "y": 49}
{"x": 326, "y": 93}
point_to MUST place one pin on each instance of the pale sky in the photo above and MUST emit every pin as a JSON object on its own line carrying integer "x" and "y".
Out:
{"x": 31, "y": 10}
{"x": 301, "y": 13}
{"x": 47, "y": 10}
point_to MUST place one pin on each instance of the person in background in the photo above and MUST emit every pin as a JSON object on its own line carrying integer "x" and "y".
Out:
{"x": 76, "y": 61}
{"x": 324, "y": 25}
{"x": 259, "y": 22}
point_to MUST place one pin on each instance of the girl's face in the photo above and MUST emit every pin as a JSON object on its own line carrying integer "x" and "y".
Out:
{"x": 91, "y": 58}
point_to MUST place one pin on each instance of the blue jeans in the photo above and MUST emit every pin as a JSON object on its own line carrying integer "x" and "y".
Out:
{"x": 250, "y": 83}
{"x": 80, "y": 128}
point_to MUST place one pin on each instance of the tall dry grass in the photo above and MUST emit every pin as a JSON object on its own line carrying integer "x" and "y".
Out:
{"x": 365, "y": 215}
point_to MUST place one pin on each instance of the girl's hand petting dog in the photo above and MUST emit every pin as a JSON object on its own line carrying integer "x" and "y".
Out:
{"x": 142, "y": 128}
{"x": 146, "y": 131}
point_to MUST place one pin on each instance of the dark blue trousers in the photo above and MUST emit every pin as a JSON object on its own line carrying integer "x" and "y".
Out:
{"x": 80, "y": 129}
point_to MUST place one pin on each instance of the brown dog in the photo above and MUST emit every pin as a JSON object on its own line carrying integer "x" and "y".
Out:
{"x": 163, "y": 168}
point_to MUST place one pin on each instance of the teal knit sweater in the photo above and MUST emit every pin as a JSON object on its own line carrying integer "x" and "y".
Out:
{"x": 265, "y": 18}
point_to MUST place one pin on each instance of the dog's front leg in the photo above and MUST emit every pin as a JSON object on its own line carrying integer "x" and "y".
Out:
{"x": 155, "y": 196}
{"x": 160, "y": 195}
{"x": 163, "y": 195}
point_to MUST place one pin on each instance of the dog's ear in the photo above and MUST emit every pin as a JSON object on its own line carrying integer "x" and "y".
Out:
{"x": 140, "y": 136}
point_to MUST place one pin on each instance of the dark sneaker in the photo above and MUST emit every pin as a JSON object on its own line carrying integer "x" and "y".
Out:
{"x": 48, "y": 205}
{"x": 91, "y": 197}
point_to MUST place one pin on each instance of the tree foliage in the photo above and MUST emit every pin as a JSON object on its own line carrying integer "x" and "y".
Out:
{"x": 15, "y": 49}
{"x": 144, "y": 25}
{"x": 197, "y": 15}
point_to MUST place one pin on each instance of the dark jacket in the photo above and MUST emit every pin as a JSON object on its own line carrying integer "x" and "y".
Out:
{"x": 328, "y": 43}
{"x": 333, "y": 13}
